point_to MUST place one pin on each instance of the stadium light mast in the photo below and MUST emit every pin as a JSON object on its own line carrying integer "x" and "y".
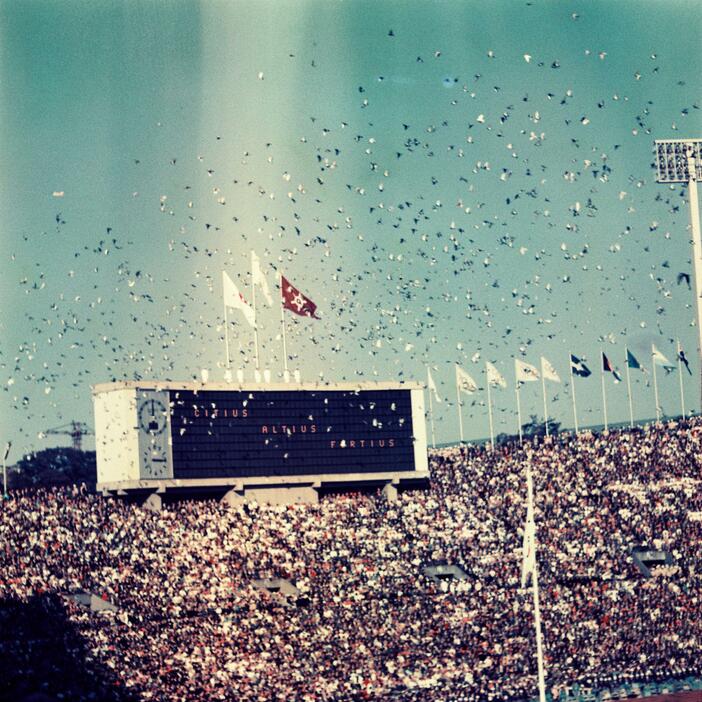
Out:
{"x": 680, "y": 161}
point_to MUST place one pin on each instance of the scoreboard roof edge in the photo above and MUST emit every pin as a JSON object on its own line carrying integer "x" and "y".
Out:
{"x": 258, "y": 387}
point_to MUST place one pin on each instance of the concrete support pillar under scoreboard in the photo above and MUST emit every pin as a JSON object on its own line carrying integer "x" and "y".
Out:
{"x": 390, "y": 492}
{"x": 288, "y": 495}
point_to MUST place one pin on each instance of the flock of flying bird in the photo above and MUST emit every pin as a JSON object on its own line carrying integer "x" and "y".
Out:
{"x": 402, "y": 229}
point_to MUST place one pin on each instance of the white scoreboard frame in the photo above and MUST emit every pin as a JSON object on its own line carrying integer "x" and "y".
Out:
{"x": 133, "y": 432}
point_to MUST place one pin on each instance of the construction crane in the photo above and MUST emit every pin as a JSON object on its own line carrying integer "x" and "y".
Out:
{"x": 76, "y": 430}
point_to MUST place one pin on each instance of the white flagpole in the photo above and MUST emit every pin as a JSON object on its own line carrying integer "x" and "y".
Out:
{"x": 628, "y": 387}
{"x": 655, "y": 386}
{"x": 682, "y": 392}
{"x": 543, "y": 388}
{"x": 431, "y": 414}
{"x": 458, "y": 405}
{"x": 572, "y": 393}
{"x": 253, "y": 302}
{"x": 226, "y": 333}
{"x": 696, "y": 242}
{"x": 535, "y": 594}
{"x": 492, "y": 431}
{"x": 286, "y": 374}
{"x": 519, "y": 413}
{"x": 604, "y": 392}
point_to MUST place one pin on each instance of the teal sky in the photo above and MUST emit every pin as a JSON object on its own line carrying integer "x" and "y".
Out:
{"x": 436, "y": 194}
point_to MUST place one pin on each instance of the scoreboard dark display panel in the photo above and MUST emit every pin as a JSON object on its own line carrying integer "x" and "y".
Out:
{"x": 231, "y": 433}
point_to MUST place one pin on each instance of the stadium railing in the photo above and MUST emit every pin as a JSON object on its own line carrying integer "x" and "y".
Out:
{"x": 625, "y": 690}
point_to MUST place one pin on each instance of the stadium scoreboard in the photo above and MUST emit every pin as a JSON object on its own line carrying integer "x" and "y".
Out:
{"x": 204, "y": 432}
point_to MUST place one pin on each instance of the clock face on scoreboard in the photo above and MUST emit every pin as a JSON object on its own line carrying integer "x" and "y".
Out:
{"x": 239, "y": 433}
{"x": 153, "y": 423}
{"x": 153, "y": 417}
{"x": 155, "y": 462}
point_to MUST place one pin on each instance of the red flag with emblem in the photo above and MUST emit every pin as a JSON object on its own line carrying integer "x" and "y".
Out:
{"x": 295, "y": 301}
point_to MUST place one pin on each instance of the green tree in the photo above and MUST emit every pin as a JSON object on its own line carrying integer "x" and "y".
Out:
{"x": 536, "y": 427}
{"x": 54, "y": 466}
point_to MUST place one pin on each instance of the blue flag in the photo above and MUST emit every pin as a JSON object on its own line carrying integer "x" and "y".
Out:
{"x": 631, "y": 360}
{"x": 578, "y": 367}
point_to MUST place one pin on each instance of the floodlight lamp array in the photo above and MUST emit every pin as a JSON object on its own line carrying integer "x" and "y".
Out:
{"x": 672, "y": 159}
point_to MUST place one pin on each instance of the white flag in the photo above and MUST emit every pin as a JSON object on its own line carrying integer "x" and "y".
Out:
{"x": 525, "y": 372}
{"x": 493, "y": 375}
{"x": 529, "y": 548}
{"x": 431, "y": 385}
{"x": 658, "y": 358}
{"x": 257, "y": 278}
{"x": 464, "y": 382}
{"x": 548, "y": 371}
{"x": 233, "y": 298}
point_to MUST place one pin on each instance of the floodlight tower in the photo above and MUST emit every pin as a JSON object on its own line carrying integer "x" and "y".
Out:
{"x": 680, "y": 161}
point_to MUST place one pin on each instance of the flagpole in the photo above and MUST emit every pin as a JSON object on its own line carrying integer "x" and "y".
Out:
{"x": 543, "y": 388}
{"x": 286, "y": 374}
{"x": 458, "y": 405}
{"x": 492, "y": 432}
{"x": 604, "y": 392}
{"x": 682, "y": 392}
{"x": 628, "y": 387}
{"x": 431, "y": 413}
{"x": 655, "y": 386}
{"x": 535, "y": 595}
{"x": 519, "y": 414}
{"x": 572, "y": 392}
{"x": 226, "y": 333}
{"x": 253, "y": 302}
{"x": 696, "y": 244}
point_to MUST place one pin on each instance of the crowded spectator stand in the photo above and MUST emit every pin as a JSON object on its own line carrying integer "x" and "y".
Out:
{"x": 366, "y": 621}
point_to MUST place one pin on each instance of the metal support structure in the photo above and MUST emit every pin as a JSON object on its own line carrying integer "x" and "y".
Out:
{"x": 628, "y": 387}
{"x": 519, "y": 414}
{"x": 286, "y": 372}
{"x": 459, "y": 405}
{"x": 655, "y": 387}
{"x": 572, "y": 393}
{"x": 680, "y": 378}
{"x": 489, "y": 399}
{"x": 431, "y": 418}
{"x": 76, "y": 430}
{"x": 680, "y": 161}
{"x": 226, "y": 335}
{"x": 543, "y": 390}
{"x": 696, "y": 256}
{"x": 541, "y": 675}
{"x": 253, "y": 304}
{"x": 604, "y": 391}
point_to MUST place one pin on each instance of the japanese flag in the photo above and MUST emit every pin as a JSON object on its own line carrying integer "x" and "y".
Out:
{"x": 233, "y": 298}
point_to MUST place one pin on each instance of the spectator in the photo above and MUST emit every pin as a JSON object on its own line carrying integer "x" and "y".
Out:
{"x": 191, "y": 626}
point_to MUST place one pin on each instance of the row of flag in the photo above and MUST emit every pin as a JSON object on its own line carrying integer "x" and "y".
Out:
{"x": 298, "y": 303}
{"x": 579, "y": 368}
{"x": 292, "y": 299}
{"x": 526, "y": 372}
